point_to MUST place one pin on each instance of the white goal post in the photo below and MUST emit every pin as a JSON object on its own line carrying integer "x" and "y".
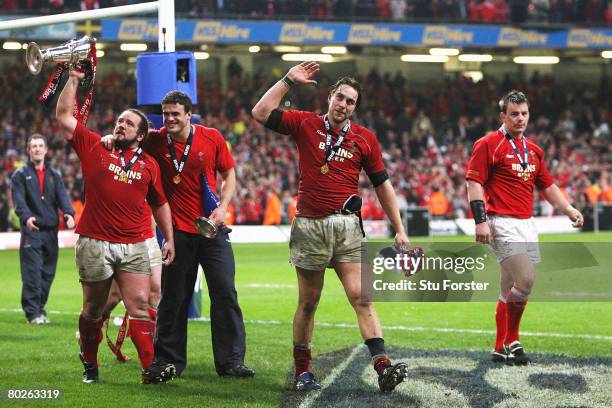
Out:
{"x": 165, "y": 9}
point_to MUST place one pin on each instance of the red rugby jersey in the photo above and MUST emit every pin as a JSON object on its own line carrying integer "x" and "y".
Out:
{"x": 209, "y": 153}
{"x": 508, "y": 188}
{"x": 319, "y": 195}
{"x": 116, "y": 211}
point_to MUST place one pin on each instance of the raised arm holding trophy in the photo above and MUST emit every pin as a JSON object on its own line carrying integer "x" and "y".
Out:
{"x": 73, "y": 54}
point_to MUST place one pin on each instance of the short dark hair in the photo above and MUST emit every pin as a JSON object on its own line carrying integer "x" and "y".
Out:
{"x": 513, "y": 96}
{"x": 353, "y": 83}
{"x": 143, "y": 127}
{"x": 36, "y": 136}
{"x": 177, "y": 97}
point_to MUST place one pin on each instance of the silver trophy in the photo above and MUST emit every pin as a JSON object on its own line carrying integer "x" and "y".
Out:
{"x": 206, "y": 227}
{"x": 71, "y": 52}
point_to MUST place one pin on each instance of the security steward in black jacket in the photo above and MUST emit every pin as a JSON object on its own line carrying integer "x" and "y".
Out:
{"x": 38, "y": 193}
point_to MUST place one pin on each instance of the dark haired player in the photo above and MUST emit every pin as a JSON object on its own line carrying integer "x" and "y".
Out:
{"x": 326, "y": 231}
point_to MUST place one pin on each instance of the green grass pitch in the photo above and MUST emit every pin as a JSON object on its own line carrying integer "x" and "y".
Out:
{"x": 46, "y": 357}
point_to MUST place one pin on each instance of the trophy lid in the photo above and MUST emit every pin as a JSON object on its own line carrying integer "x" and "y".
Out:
{"x": 34, "y": 58}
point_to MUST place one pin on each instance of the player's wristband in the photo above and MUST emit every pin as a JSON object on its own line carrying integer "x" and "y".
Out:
{"x": 288, "y": 81}
{"x": 478, "y": 210}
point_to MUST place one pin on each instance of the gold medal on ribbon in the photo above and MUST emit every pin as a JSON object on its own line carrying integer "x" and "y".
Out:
{"x": 525, "y": 176}
{"x": 324, "y": 169}
{"x": 123, "y": 177}
{"x": 176, "y": 179}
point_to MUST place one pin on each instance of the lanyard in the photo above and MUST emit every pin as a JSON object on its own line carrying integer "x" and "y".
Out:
{"x": 135, "y": 157}
{"x": 330, "y": 151}
{"x": 524, "y": 162}
{"x": 179, "y": 166}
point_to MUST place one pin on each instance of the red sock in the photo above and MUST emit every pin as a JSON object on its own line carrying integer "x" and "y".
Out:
{"x": 153, "y": 316}
{"x": 301, "y": 359}
{"x": 517, "y": 300}
{"x": 501, "y": 324}
{"x": 142, "y": 337}
{"x": 380, "y": 363}
{"x": 90, "y": 334}
{"x": 515, "y": 312}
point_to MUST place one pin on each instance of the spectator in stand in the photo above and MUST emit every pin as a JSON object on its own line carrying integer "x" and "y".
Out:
{"x": 592, "y": 191}
{"x": 502, "y": 11}
{"x": 606, "y": 189}
{"x": 9, "y": 5}
{"x": 473, "y": 11}
{"x": 383, "y": 8}
{"x": 488, "y": 12}
{"x": 398, "y": 9}
{"x": 89, "y": 4}
{"x": 608, "y": 14}
{"x": 248, "y": 214}
{"x": 272, "y": 213}
{"x": 438, "y": 203}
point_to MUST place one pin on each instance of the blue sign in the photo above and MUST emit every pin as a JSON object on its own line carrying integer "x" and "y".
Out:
{"x": 300, "y": 33}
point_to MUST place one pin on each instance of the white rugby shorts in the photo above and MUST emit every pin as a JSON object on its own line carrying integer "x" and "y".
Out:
{"x": 514, "y": 236}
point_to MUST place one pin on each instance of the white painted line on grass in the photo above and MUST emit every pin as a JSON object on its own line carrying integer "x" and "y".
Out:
{"x": 580, "y": 294}
{"x": 329, "y": 380}
{"x": 398, "y": 328}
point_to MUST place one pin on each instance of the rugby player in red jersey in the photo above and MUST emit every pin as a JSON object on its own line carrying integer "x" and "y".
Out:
{"x": 326, "y": 231}
{"x": 503, "y": 170}
{"x": 114, "y": 227}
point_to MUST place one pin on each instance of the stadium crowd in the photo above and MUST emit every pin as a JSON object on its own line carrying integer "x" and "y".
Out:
{"x": 590, "y": 12}
{"x": 426, "y": 131}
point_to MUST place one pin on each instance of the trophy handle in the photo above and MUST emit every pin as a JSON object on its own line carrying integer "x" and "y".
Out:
{"x": 34, "y": 58}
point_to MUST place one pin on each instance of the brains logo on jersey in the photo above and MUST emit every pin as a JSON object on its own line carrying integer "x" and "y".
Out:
{"x": 341, "y": 153}
{"x": 124, "y": 176}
